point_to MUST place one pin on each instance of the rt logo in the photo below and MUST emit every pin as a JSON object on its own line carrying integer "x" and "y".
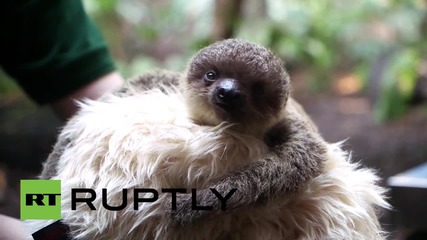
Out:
{"x": 40, "y": 199}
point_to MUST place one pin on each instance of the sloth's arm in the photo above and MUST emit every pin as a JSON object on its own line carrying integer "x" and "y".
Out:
{"x": 297, "y": 155}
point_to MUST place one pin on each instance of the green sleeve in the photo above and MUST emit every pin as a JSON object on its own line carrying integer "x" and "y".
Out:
{"x": 51, "y": 47}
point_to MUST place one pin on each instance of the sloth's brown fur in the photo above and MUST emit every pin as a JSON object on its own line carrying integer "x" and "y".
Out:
{"x": 291, "y": 183}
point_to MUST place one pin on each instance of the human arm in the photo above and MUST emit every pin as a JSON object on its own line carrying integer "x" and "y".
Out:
{"x": 66, "y": 106}
{"x": 55, "y": 52}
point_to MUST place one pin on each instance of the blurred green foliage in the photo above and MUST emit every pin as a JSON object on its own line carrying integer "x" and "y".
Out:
{"x": 7, "y": 85}
{"x": 329, "y": 36}
{"x": 397, "y": 84}
{"x": 320, "y": 37}
{"x": 380, "y": 41}
{"x": 152, "y": 34}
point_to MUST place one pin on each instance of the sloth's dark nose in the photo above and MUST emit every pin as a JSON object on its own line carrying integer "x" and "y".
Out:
{"x": 227, "y": 94}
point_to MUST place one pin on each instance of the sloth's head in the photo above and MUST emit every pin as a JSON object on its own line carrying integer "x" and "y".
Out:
{"x": 238, "y": 82}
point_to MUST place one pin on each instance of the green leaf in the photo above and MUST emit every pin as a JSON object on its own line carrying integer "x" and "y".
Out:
{"x": 397, "y": 85}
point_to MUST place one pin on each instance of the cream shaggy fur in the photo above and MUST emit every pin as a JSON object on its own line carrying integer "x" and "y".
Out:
{"x": 147, "y": 141}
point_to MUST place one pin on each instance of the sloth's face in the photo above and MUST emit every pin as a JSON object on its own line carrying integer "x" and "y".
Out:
{"x": 238, "y": 82}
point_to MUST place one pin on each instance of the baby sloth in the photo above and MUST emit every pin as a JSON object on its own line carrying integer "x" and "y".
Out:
{"x": 229, "y": 129}
{"x": 246, "y": 85}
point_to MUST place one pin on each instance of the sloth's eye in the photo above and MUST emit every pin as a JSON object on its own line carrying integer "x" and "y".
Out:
{"x": 210, "y": 76}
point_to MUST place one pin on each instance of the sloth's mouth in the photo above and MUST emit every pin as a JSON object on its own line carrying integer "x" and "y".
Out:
{"x": 227, "y": 110}
{"x": 230, "y": 113}
{"x": 224, "y": 107}
{"x": 228, "y": 107}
